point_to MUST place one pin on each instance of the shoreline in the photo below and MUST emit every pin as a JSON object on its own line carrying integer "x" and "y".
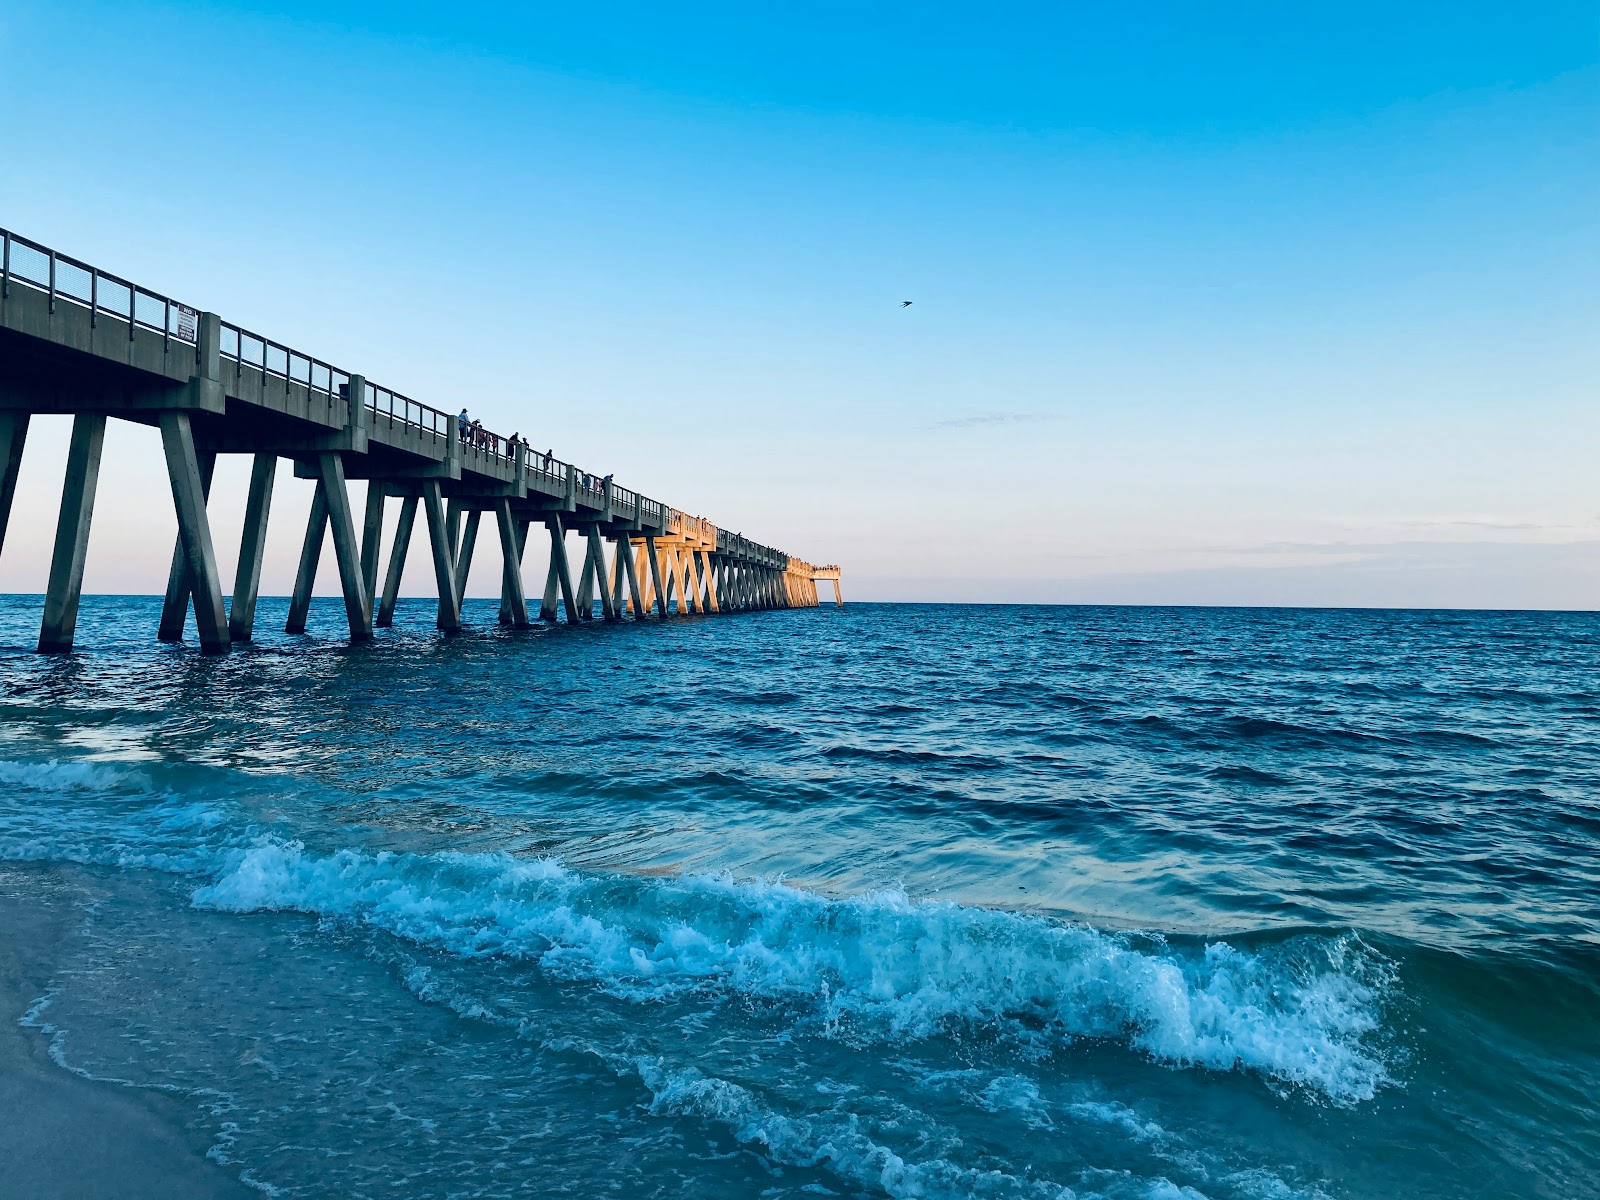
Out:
{"x": 66, "y": 1136}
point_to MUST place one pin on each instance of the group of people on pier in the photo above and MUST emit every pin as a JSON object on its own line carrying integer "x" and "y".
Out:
{"x": 472, "y": 432}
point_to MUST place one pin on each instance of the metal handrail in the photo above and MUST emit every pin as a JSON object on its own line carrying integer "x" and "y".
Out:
{"x": 62, "y": 277}
{"x": 549, "y": 468}
{"x": 386, "y": 403}
{"x": 246, "y": 349}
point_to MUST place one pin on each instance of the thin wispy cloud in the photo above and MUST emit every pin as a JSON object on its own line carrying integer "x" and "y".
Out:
{"x": 976, "y": 420}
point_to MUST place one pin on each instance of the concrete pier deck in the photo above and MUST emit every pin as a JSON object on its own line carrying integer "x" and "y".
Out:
{"x": 77, "y": 340}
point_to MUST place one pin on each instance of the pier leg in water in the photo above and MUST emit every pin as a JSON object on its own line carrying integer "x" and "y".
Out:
{"x": 194, "y": 529}
{"x": 310, "y": 554}
{"x": 656, "y": 582}
{"x": 72, "y": 534}
{"x": 586, "y": 583}
{"x": 547, "y": 609}
{"x": 469, "y": 542}
{"x": 680, "y": 573}
{"x": 629, "y": 565}
{"x": 357, "y": 600}
{"x": 507, "y": 617}
{"x": 453, "y": 524}
{"x": 668, "y": 581}
{"x": 641, "y": 576}
{"x": 614, "y": 577}
{"x": 619, "y": 576}
{"x": 709, "y": 578}
{"x": 371, "y": 538}
{"x": 252, "y": 545}
{"x": 175, "y": 609}
{"x": 13, "y": 436}
{"x": 562, "y": 568}
{"x": 397, "y": 562}
{"x": 597, "y": 558}
{"x": 511, "y": 570}
{"x": 444, "y": 558}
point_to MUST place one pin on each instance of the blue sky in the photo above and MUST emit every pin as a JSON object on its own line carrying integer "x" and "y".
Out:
{"x": 1213, "y": 303}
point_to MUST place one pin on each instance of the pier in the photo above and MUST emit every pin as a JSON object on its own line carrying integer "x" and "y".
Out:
{"x": 76, "y": 340}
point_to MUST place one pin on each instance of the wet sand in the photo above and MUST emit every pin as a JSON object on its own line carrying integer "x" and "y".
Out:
{"x": 64, "y": 1136}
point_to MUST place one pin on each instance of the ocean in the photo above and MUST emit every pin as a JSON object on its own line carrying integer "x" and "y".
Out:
{"x": 889, "y": 900}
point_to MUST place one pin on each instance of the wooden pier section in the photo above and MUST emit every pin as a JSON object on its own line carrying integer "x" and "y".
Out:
{"x": 78, "y": 341}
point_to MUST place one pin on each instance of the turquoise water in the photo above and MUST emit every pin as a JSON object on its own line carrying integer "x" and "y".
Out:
{"x": 897, "y": 900}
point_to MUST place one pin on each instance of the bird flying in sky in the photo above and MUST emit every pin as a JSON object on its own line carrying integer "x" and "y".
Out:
{"x": 905, "y": 304}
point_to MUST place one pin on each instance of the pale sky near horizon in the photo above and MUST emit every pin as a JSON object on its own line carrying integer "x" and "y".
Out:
{"x": 1232, "y": 303}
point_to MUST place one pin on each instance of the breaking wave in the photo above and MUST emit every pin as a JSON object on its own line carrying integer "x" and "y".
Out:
{"x": 1301, "y": 1013}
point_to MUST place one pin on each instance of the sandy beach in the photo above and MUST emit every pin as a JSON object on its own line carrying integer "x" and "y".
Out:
{"x": 64, "y": 1135}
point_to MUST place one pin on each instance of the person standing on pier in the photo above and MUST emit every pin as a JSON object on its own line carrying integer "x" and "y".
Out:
{"x": 463, "y": 424}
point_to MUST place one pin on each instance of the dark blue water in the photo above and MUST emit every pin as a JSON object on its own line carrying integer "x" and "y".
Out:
{"x": 893, "y": 900}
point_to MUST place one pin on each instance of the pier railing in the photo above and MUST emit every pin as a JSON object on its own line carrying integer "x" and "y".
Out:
{"x": 408, "y": 411}
{"x": 63, "y": 278}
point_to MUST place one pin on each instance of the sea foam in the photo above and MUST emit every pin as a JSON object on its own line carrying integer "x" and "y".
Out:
{"x": 873, "y": 967}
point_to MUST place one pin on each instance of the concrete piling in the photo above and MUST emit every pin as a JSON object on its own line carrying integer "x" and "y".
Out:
{"x": 310, "y": 552}
{"x": 397, "y": 562}
{"x": 180, "y": 583}
{"x": 60, "y": 621}
{"x": 194, "y": 532}
{"x": 13, "y": 437}
{"x": 252, "y": 547}
{"x": 511, "y": 573}
{"x": 444, "y": 563}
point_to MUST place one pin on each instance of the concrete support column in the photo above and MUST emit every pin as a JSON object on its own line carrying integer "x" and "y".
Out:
{"x": 310, "y": 554}
{"x": 469, "y": 542}
{"x": 669, "y": 564}
{"x": 655, "y": 576}
{"x": 689, "y": 566}
{"x": 511, "y": 574}
{"x": 597, "y": 555}
{"x": 444, "y": 557}
{"x": 194, "y": 531}
{"x": 619, "y": 577}
{"x": 397, "y": 562}
{"x": 72, "y": 534}
{"x": 548, "y": 607}
{"x": 357, "y": 600}
{"x": 13, "y": 436}
{"x": 647, "y": 591}
{"x": 586, "y": 583}
{"x": 175, "y": 608}
{"x": 372, "y": 537}
{"x": 710, "y": 581}
{"x": 631, "y": 566}
{"x": 674, "y": 571}
{"x": 453, "y": 525}
{"x": 252, "y": 546}
{"x": 560, "y": 576}
{"x": 683, "y": 569}
{"x": 508, "y": 614}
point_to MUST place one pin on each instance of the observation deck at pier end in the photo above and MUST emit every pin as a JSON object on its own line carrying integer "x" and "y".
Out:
{"x": 77, "y": 340}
